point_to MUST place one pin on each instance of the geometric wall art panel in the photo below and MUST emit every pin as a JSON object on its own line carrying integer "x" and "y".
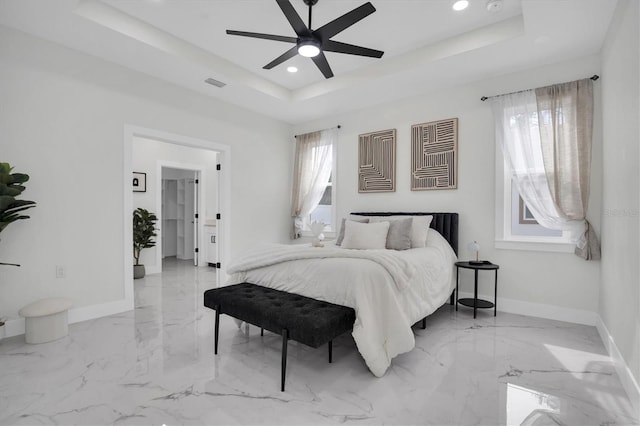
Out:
{"x": 434, "y": 155}
{"x": 377, "y": 161}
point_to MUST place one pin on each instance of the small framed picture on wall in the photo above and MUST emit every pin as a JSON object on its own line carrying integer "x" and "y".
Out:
{"x": 139, "y": 182}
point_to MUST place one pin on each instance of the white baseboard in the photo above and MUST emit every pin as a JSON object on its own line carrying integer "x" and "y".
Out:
{"x": 629, "y": 383}
{"x": 15, "y": 327}
{"x": 558, "y": 313}
{"x": 98, "y": 311}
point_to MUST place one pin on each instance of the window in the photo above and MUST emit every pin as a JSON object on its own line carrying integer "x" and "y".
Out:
{"x": 545, "y": 138}
{"x": 522, "y": 222}
{"x": 516, "y": 227}
{"x": 325, "y": 210}
{"x": 313, "y": 197}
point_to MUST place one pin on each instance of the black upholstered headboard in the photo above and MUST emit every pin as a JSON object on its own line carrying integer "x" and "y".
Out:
{"x": 445, "y": 223}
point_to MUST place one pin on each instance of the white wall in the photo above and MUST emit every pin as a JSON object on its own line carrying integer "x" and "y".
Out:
{"x": 63, "y": 119}
{"x": 146, "y": 155}
{"x": 620, "y": 290}
{"x": 551, "y": 284}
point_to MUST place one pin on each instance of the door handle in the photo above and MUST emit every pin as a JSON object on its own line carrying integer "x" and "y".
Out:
{"x": 213, "y": 239}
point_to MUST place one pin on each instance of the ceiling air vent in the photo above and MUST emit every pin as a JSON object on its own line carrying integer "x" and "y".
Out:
{"x": 215, "y": 82}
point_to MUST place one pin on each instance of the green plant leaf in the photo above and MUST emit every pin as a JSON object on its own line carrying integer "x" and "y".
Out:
{"x": 10, "y": 191}
{"x": 10, "y": 188}
{"x": 20, "y": 177}
{"x": 143, "y": 231}
{"x": 21, "y": 205}
{"x": 5, "y": 202}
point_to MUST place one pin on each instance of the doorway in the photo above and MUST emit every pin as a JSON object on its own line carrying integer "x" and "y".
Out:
{"x": 221, "y": 215}
{"x": 179, "y": 213}
{"x": 188, "y": 199}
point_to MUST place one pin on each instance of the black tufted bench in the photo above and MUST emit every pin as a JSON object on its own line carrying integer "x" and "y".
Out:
{"x": 300, "y": 318}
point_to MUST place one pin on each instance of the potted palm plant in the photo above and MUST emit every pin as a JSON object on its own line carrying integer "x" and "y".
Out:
{"x": 11, "y": 186}
{"x": 144, "y": 230}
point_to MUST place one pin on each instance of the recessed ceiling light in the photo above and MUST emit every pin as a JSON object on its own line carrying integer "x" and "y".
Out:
{"x": 460, "y": 5}
{"x": 292, "y": 69}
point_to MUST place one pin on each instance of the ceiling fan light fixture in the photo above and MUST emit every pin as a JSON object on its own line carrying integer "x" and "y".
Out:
{"x": 309, "y": 48}
{"x": 312, "y": 43}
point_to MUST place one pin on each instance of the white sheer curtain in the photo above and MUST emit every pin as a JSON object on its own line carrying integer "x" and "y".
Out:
{"x": 311, "y": 173}
{"x": 545, "y": 135}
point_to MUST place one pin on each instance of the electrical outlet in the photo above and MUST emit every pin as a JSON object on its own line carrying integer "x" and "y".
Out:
{"x": 59, "y": 271}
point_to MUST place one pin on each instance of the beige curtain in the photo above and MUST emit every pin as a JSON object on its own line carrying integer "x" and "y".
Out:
{"x": 311, "y": 173}
{"x": 565, "y": 115}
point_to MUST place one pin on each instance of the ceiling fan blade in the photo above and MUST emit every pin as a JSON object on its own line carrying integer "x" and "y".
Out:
{"x": 294, "y": 19}
{"x": 264, "y": 36}
{"x": 338, "y": 47}
{"x": 327, "y": 31}
{"x": 323, "y": 65}
{"x": 284, "y": 57}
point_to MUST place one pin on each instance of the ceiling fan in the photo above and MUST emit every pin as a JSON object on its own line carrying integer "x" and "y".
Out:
{"x": 313, "y": 43}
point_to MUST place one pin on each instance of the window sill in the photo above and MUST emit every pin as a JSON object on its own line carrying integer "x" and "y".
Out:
{"x": 328, "y": 235}
{"x": 554, "y": 247}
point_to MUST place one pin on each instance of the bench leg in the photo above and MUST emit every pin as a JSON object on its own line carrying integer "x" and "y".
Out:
{"x": 285, "y": 338}
{"x": 262, "y": 331}
{"x": 424, "y": 323}
{"x": 330, "y": 351}
{"x": 215, "y": 331}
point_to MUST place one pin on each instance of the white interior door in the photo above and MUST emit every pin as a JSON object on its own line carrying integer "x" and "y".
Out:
{"x": 196, "y": 219}
{"x": 168, "y": 232}
{"x": 189, "y": 219}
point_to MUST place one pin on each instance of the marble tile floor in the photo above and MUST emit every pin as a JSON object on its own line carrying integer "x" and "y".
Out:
{"x": 155, "y": 366}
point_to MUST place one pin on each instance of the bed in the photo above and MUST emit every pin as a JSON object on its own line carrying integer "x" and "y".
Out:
{"x": 390, "y": 290}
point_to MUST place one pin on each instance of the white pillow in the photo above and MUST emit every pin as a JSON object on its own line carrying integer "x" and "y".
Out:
{"x": 365, "y": 235}
{"x": 341, "y": 233}
{"x": 419, "y": 228}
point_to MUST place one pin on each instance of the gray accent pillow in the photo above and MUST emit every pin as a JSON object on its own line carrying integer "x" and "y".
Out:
{"x": 341, "y": 233}
{"x": 399, "y": 235}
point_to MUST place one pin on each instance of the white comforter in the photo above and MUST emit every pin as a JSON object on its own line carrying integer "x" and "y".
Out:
{"x": 390, "y": 290}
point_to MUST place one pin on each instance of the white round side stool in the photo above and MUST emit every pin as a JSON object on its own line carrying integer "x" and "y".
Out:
{"x": 46, "y": 320}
